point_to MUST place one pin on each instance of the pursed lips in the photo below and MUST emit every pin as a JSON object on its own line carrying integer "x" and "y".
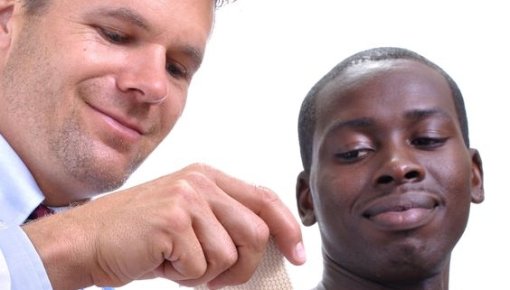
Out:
{"x": 402, "y": 211}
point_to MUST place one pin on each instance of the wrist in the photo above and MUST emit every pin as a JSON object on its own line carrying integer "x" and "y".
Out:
{"x": 62, "y": 249}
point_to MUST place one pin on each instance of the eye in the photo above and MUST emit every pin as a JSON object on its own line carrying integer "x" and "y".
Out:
{"x": 428, "y": 142}
{"x": 113, "y": 36}
{"x": 177, "y": 70}
{"x": 352, "y": 155}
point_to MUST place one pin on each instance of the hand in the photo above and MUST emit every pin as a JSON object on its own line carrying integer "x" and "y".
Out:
{"x": 194, "y": 226}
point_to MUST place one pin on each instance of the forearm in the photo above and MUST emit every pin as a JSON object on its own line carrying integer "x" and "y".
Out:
{"x": 59, "y": 247}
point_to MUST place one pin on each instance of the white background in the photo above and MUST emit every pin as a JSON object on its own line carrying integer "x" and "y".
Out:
{"x": 265, "y": 55}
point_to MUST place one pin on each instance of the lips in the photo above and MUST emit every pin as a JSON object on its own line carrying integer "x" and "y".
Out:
{"x": 399, "y": 212}
{"x": 118, "y": 130}
{"x": 127, "y": 124}
{"x": 120, "y": 125}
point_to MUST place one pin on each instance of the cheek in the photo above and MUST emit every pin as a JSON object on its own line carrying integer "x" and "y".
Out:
{"x": 334, "y": 202}
{"x": 171, "y": 111}
{"x": 457, "y": 194}
{"x": 455, "y": 177}
{"x": 336, "y": 196}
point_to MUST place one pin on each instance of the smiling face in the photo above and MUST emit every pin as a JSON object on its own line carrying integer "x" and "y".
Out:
{"x": 90, "y": 88}
{"x": 391, "y": 179}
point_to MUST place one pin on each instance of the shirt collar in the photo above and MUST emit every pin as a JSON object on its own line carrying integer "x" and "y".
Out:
{"x": 19, "y": 193}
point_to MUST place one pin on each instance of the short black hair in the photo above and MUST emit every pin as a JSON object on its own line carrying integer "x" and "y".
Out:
{"x": 307, "y": 114}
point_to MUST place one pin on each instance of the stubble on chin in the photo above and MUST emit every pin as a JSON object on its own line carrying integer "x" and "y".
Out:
{"x": 82, "y": 160}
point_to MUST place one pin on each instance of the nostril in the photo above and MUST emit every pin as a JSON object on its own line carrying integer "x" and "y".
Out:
{"x": 412, "y": 174}
{"x": 385, "y": 179}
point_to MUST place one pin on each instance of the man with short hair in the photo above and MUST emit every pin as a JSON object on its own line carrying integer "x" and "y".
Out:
{"x": 388, "y": 172}
{"x": 88, "y": 89}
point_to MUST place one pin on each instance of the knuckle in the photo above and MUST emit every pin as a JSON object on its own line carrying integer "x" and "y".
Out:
{"x": 184, "y": 192}
{"x": 229, "y": 258}
{"x": 257, "y": 235}
{"x": 197, "y": 271}
{"x": 223, "y": 258}
{"x": 198, "y": 166}
{"x": 197, "y": 180}
{"x": 179, "y": 202}
{"x": 261, "y": 235}
{"x": 267, "y": 196}
{"x": 178, "y": 222}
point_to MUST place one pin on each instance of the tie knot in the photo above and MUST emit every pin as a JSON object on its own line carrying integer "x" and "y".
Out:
{"x": 39, "y": 212}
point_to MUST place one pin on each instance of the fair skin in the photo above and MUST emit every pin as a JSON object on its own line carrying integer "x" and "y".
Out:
{"x": 88, "y": 90}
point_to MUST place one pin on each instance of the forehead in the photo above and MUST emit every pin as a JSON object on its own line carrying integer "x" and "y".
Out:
{"x": 154, "y": 7}
{"x": 383, "y": 89}
{"x": 186, "y": 19}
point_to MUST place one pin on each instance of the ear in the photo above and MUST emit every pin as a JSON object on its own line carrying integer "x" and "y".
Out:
{"x": 6, "y": 10}
{"x": 305, "y": 200}
{"x": 477, "y": 192}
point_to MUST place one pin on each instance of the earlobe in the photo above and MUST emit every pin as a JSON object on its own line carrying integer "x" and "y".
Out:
{"x": 477, "y": 191}
{"x": 305, "y": 200}
{"x": 6, "y": 11}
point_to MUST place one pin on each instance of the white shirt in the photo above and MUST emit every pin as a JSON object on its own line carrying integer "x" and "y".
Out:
{"x": 20, "y": 266}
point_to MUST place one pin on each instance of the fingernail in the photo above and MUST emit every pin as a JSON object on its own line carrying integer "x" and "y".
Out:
{"x": 300, "y": 253}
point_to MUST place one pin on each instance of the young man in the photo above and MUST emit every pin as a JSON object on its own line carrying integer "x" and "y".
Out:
{"x": 87, "y": 90}
{"x": 388, "y": 172}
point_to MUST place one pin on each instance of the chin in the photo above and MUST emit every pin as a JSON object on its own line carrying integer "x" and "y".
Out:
{"x": 97, "y": 177}
{"x": 414, "y": 265}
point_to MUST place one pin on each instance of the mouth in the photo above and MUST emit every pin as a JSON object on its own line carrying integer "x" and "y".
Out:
{"x": 403, "y": 211}
{"x": 119, "y": 125}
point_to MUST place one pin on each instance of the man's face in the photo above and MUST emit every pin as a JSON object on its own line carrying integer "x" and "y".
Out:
{"x": 90, "y": 88}
{"x": 391, "y": 179}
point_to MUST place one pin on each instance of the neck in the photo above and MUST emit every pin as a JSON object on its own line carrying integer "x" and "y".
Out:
{"x": 336, "y": 277}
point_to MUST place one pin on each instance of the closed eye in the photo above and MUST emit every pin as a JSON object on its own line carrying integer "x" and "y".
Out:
{"x": 428, "y": 142}
{"x": 177, "y": 70}
{"x": 113, "y": 36}
{"x": 352, "y": 155}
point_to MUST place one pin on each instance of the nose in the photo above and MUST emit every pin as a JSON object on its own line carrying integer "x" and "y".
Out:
{"x": 144, "y": 74}
{"x": 399, "y": 166}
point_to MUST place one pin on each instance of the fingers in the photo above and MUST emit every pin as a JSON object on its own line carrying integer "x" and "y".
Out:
{"x": 250, "y": 235}
{"x": 191, "y": 264}
{"x": 231, "y": 258}
{"x": 202, "y": 248}
{"x": 201, "y": 226}
{"x": 266, "y": 204}
{"x": 195, "y": 226}
{"x": 249, "y": 214}
{"x": 185, "y": 257}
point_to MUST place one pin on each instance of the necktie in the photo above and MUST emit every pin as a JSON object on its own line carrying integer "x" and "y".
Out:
{"x": 39, "y": 212}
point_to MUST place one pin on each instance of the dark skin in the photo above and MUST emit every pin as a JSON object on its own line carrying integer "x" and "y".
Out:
{"x": 391, "y": 180}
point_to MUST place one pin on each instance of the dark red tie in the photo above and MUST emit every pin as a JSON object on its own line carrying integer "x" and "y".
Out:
{"x": 39, "y": 212}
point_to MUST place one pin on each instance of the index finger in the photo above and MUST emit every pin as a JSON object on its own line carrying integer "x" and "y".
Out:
{"x": 265, "y": 203}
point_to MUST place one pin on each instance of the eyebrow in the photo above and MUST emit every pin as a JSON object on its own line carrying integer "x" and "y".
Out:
{"x": 420, "y": 114}
{"x": 351, "y": 123}
{"x": 125, "y": 14}
{"x": 196, "y": 55}
{"x": 366, "y": 122}
{"x": 134, "y": 18}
